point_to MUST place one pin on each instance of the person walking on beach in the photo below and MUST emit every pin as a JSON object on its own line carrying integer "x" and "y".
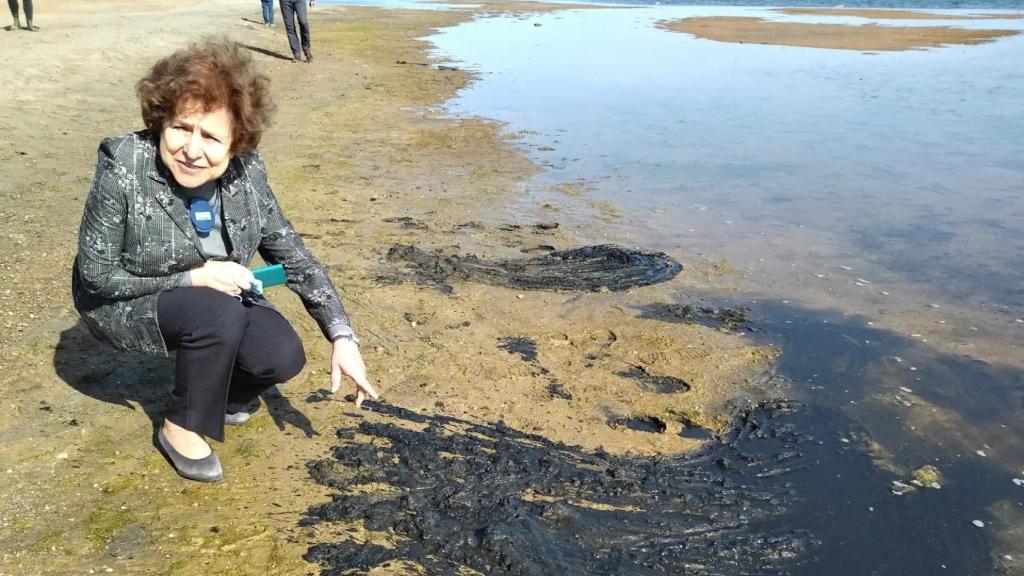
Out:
{"x": 268, "y": 12}
{"x": 13, "y": 5}
{"x": 174, "y": 216}
{"x": 290, "y": 11}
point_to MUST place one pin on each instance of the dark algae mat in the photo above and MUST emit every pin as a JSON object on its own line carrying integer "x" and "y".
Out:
{"x": 587, "y": 269}
{"x": 777, "y": 492}
{"x": 501, "y": 501}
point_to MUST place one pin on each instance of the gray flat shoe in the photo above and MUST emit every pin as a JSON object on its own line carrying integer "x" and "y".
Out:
{"x": 238, "y": 418}
{"x": 201, "y": 470}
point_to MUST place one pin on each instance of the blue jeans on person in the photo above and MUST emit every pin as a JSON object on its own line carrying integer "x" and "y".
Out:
{"x": 268, "y": 11}
{"x": 289, "y": 10}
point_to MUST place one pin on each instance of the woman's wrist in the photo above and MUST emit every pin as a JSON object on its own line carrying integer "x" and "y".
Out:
{"x": 195, "y": 276}
{"x": 345, "y": 337}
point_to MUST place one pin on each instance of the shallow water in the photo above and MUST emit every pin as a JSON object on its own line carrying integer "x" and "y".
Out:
{"x": 872, "y": 206}
{"x": 904, "y": 165}
{"x": 864, "y": 189}
{"x": 883, "y": 183}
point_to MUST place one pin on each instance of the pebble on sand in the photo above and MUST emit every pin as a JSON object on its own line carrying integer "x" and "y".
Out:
{"x": 978, "y": 523}
{"x": 1018, "y": 481}
{"x": 981, "y": 453}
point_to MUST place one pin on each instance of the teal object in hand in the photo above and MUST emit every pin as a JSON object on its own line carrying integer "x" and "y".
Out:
{"x": 270, "y": 275}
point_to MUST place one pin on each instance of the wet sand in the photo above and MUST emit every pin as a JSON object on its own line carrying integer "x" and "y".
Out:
{"x": 358, "y": 145}
{"x": 868, "y": 38}
{"x": 888, "y": 14}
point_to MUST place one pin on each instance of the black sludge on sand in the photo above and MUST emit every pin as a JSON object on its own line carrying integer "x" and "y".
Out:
{"x": 722, "y": 318}
{"x": 504, "y": 502}
{"x": 655, "y": 383}
{"x": 588, "y": 269}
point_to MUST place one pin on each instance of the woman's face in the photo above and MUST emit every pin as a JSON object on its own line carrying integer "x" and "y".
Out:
{"x": 196, "y": 145}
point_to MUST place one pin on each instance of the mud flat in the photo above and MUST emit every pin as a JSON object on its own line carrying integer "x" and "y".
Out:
{"x": 358, "y": 152}
{"x": 867, "y": 37}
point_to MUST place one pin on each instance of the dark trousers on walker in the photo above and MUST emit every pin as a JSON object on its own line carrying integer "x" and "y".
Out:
{"x": 228, "y": 352}
{"x": 13, "y": 5}
{"x": 289, "y": 10}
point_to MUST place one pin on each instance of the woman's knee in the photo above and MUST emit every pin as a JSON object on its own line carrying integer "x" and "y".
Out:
{"x": 284, "y": 363}
{"x": 291, "y": 360}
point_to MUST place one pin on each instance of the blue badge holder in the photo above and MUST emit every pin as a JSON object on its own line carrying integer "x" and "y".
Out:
{"x": 202, "y": 216}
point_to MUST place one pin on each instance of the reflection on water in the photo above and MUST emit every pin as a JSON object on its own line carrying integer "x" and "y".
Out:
{"x": 895, "y": 158}
{"x": 885, "y": 187}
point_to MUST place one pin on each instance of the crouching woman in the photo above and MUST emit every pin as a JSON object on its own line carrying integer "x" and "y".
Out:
{"x": 174, "y": 216}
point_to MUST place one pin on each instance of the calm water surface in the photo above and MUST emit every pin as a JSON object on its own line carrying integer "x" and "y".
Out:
{"x": 875, "y": 204}
{"x": 909, "y": 163}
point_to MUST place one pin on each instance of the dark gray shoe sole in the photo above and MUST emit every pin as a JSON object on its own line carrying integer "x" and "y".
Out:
{"x": 206, "y": 469}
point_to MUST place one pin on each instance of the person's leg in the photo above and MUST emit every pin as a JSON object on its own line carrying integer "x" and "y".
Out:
{"x": 300, "y": 11}
{"x": 271, "y": 353}
{"x": 288, "y": 15}
{"x": 206, "y": 327}
{"x": 13, "y": 5}
{"x": 268, "y": 11}
{"x": 27, "y": 7}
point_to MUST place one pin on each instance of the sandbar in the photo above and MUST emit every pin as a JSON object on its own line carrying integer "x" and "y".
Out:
{"x": 864, "y": 38}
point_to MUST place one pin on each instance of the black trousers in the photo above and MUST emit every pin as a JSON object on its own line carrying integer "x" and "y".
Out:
{"x": 290, "y": 10}
{"x": 13, "y": 5}
{"x": 228, "y": 352}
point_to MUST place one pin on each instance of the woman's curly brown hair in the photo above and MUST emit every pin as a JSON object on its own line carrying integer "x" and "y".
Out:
{"x": 214, "y": 73}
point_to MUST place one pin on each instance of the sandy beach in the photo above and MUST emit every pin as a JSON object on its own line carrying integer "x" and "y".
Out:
{"x": 357, "y": 146}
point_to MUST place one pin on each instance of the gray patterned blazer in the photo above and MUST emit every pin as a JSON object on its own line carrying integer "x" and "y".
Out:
{"x": 136, "y": 240}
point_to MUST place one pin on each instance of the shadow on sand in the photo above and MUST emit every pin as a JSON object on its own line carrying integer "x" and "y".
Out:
{"x": 266, "y": 52}
{"x": 131, "y": 380}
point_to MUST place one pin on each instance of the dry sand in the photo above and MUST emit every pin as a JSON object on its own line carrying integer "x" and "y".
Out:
{"x": 867, "y": 37}
{"x": 357, "y": 140}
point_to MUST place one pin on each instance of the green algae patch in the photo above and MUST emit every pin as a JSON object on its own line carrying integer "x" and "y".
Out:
{"x": 928, "y": 476}
{"x": 102, "y": 525}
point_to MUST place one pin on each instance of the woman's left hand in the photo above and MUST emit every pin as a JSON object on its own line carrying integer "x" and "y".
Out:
{"x": 347, "y": 360}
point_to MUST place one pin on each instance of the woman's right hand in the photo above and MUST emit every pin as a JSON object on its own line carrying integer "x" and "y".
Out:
{"x": 228, "y": 277}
